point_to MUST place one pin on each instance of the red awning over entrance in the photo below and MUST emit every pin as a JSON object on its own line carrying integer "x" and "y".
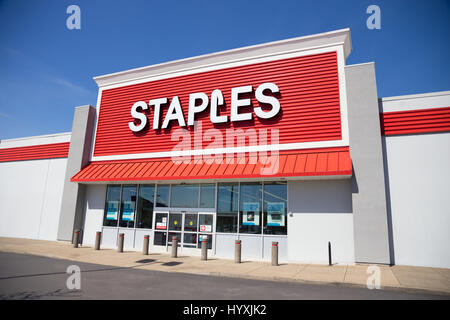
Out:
{"x": 297, "y": 163}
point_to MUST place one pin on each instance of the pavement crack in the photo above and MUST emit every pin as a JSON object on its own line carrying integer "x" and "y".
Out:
{"x": 345, "y": 273}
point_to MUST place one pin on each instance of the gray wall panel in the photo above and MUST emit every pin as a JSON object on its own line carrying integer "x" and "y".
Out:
{"x": 371, "y": 234}
{"x": 72, "y": 205}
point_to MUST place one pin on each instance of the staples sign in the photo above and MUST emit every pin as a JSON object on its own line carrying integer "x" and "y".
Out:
{"x": 199, "y": 101}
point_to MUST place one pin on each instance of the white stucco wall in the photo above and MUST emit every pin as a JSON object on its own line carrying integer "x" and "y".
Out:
{"x": 30, "y": 198}
{"x": 418, "y": 169}
{"x": 94, "y": 210}
{"x": 31, "y": 191}
{"x": 320, "y": 211}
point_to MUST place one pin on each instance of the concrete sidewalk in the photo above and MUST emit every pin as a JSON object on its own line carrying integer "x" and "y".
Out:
{"x": 395, "y": 277}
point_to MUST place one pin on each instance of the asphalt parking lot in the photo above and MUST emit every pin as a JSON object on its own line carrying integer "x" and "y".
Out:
{"x": 34, "y": 277}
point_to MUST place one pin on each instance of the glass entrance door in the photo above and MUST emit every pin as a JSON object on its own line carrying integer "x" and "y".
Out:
{"x": 175, "y": 227}
{"x": 206, "y": 227}
{"x": 188, "y": 227}
{"x": 190, "y": 230}
{"x": 160, "y": 235}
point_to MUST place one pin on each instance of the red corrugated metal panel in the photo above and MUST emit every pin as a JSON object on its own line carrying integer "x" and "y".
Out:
{"x": 415, "y": 121}
{"x": 312, "y": 162}
{"x": 42, "y": 151}
{"x": 309, "y": 98}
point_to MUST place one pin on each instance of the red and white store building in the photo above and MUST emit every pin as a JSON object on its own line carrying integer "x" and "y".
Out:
{"x": 274, "y": 142}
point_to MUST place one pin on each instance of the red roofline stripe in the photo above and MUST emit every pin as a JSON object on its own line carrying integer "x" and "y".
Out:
{"x": 415, "y": 121}
{"x": 42, "y": 151}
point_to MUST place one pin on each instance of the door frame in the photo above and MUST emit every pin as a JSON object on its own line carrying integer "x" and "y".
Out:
{"x": 183, "y": 211}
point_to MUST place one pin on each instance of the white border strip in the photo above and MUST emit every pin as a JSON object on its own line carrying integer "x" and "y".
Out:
{"x": 35, "y": 140}
{"x": 257, "y": 148}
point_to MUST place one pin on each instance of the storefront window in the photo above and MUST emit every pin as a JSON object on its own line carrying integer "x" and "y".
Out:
{"x": 112, "y": 206}
{"x": 184, "y": 196}
{"x": 128, "y": 206}
{"x": 227, "y": 207}
{"x": 160, "y": 238}
{"x": 250, "y": 207}
{"x": 190, "y": 222}
{"x": 207, "y": 195}
{"x": 175, "y": 220}
{"x": 237, "y": 204}
{"x": 190, "y": 240}
{"x": 145, "y": 206}
{"x": 161, "y": 221}
{"x": 275, "y": 208}
{"x": 162, "y": 195}
{"x": 206, "y": 222}
{"x": 176, "y": 235}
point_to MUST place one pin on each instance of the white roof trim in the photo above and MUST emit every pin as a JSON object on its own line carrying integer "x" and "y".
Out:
{"x": 41, "y": 136}
{"x": 35, "y": 140}
{"x": 416, "y": 96}
{"x": 341, "y": 36}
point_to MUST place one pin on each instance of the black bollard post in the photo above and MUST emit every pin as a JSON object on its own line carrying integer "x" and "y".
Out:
{"x": 330, "y": 263}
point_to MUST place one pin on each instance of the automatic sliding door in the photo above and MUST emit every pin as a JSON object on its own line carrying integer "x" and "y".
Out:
{"x": 175, "y": 227}
{"x": 188, "y": 227}
{"x": 206, "y": 227}
{"x": 190, "y": 230}
{"x": 160, "y": 235}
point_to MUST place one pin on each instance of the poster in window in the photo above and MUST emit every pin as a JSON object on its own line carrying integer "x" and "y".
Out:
{"x": 162, "y": 224}
{"x": 112, "y": 210}
{"x": 205, "y": 228}
{"x": 128, "y": 211}
{"x": 250, "y": 215}
{"x": 275, "y": 214}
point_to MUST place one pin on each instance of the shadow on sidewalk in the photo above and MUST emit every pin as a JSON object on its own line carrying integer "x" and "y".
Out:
{"x": 150, "y": 261}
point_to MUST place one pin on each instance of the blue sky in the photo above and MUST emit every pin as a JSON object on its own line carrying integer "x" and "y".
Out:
{"x": 46, "y": 69}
